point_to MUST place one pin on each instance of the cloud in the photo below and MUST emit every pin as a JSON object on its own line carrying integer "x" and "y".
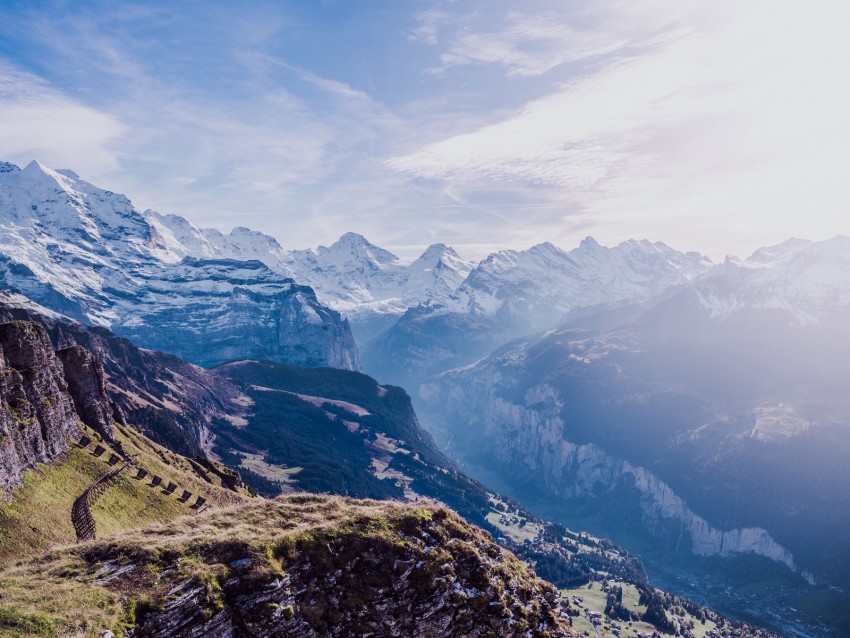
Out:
{"x": 530, "y": 45}
{"x": 328, "y": 85}
{"x": 734, "y": 118}
{"x": 428, "y": 26}
{"x": 202, "y": 120}
{"x": 41, "y": 123}
{"x": 700, "y": 125}
{"x": 547, "y": 35}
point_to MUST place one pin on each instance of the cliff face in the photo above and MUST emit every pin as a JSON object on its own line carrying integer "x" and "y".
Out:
{"x": 170, "y": 400}
{"x": 86, "y": 385}
{"x": 209, "y": 311}
{"x": 533, "y": 435}
{"x": 37, "y": 416}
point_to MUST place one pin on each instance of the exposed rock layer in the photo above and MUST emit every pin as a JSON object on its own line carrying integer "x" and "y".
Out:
{"x": 361, "y": 568}
{"x": 172, "y": 401}
{"x": 84, "y": 375}
{"x": 37, "y": 416}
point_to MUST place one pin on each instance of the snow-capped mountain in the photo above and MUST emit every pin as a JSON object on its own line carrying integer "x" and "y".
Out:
{"x": 369, "y": 285}
{"x": 545, "y": 282}
{"x": 89, "y": 254}
{"x": 373, "y": 288}
{"x": 513, "y": 293}
{"x": 800, "y": 280}
{"x": 720, "y": 408}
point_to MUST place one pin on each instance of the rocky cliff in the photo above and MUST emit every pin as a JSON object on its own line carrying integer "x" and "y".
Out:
{"x": 87, "y": 387}
{"x": 219, "y": 310}
{"x": 37, "y": 416}
{"x": 170, "y": 400}
{"x": 44, "y": 395}
{"x": 533, "y": 434}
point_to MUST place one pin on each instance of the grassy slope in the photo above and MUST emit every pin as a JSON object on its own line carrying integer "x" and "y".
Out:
{"x": 37, "y": 514}
{"x": 56, "y": 594}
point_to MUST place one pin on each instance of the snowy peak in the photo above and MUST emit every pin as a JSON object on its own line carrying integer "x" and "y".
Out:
{"x": 38, "y": 204}
{"x": 805, "y": 281}
{"x": 37, "y": 173}
{"x": 89, "y": 254}
{"x": 352, "y": 248}
{"x": 434, "y": 253}
{"x": 770, "y": 255}
{"x": 440, "y": 256}
{"x": 366, "y": 282}
{"x": 588, "y": 244}
{"x": 545, "y": 282}
{"x": 174, "y": 238}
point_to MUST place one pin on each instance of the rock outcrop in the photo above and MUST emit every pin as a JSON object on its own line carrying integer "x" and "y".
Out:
{"x": 84, "y": 376}
{"x": 317, "y": 566}
{"x": 37, "y": 416}
{"x": 170, "y": 400}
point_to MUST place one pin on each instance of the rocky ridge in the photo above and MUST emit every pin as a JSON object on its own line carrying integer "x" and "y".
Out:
{"x": 172, "y": 401}
{"x": 300, "y": 566}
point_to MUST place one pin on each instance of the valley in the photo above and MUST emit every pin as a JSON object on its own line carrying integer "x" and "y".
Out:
{"x": 558, "y": 378}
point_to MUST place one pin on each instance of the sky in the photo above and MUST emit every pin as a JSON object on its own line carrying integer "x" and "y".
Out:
{"x": 717, "y": 127}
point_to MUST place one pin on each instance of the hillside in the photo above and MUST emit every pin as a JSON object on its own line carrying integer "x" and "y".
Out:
{"x": 284, "y": 428}
{"x": 300, "y": 566}
{"x": 707, "y": 433}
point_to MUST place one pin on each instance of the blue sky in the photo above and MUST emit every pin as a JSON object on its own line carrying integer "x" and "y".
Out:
{"x": 716, "y": 127}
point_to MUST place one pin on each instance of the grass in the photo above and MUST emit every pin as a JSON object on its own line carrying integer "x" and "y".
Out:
{"x": 594, "y": 599}
{"x": 37, "y": 514}
{"x": 55, "y": 595}
{"x": 51, "y": 602}
{"x": 257, "y": 464}
{"x": 518, "y": 534}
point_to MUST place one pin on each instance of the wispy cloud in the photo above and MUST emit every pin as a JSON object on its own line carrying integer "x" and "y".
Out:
{"x": 334, "y": 87}
{"x": 40, "y": 122}
{"x": 546, "y": 35}
{"x": 227, "y": 140}
{"x": 428, "y": 25}
{"x": 700, "y": 124}
{"x": 729, "y": 121}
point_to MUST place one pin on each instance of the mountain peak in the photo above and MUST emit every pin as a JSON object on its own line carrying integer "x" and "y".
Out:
{"x": 589, "y": 243}
{"x": 771, "y": 254}
{"x": 39, "y": 178}
{"x": 435, "y": 252}
{"x": 35, "y": 168}
{"x": 352, "y": 241}
{"x": 8, "y": 167}
{"x": 357, "y": 245}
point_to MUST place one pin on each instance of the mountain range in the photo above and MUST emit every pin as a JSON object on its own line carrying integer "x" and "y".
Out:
{"x": 718, "y": 412}
{"x": 89, "y": 254}
{"x": 694, "y": 412}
